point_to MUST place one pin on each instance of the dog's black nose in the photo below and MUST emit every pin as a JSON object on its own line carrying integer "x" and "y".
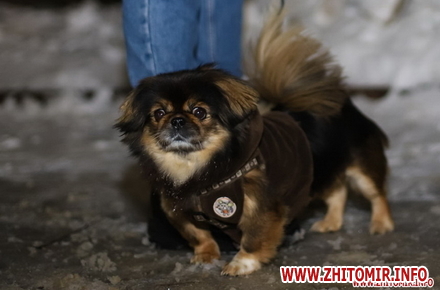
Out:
{"x": 178, "y": 122}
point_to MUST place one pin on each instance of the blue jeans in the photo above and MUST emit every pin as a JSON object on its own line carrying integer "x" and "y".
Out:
{"x": 169, "y": 35}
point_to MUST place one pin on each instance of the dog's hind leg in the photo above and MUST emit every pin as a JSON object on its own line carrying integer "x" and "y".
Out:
{"x": 373, "y": 189}
{"x": 334, "y": 217}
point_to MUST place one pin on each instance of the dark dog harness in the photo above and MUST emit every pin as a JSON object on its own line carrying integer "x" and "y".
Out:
{"x": 221, "y": 204}
{"x": 277, "y": 146}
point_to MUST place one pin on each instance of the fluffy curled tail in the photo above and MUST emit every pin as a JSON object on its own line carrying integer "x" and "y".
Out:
{"x": 295, "y": 71}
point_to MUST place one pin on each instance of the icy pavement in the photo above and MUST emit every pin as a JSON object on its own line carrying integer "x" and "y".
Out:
{"x": 72, "y": 216}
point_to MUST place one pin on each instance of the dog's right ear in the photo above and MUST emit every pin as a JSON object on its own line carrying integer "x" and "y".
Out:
{"x": 130, "y": 120}
{"x": 241, "y": 98}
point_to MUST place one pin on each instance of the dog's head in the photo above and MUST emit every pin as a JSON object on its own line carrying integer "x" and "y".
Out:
{"x": 185, "y": 116}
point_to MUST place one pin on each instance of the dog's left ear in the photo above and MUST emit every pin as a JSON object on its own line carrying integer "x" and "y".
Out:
{"x": 242, "y": 98}
{"x": 130, "y": 120}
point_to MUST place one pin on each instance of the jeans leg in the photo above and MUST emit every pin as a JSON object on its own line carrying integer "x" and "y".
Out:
{"x": 161, "y": 36}
{"x": 220, "y": 34}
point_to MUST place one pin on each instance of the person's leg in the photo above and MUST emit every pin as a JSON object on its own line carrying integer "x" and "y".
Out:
{"x": 220, "y": 34}
{"x": 161, "y": 36}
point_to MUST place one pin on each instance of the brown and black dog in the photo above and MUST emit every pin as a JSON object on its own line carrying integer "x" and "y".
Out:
{"x": 217, "y": 162}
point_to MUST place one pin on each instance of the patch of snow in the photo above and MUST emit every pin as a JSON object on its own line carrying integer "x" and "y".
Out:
{"x": 114, "y": 279}
{"x": 99, "y": 262}
{"x": 9, "y": 143}
{"x": 296, "y": 237}
{"x": 84, "y": 249}
{"x": 13, "y": 239}
{"x": 435, "y": 210}
{"x": 336, "y": 244}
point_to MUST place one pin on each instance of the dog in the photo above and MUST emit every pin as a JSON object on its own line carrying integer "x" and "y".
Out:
{"x": 216, "y": 161}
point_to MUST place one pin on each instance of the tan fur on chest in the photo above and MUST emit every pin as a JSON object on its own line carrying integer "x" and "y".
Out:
{"x": 181, "y": 167}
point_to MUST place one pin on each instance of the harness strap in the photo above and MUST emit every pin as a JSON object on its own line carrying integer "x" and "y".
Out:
{"x": 210, "y": 194}
{"x": 245, "y": 169}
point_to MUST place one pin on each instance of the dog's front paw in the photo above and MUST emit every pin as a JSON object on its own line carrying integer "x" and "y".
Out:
{"x": 206, "y": 252}
{"x": 326, "y": 225}
{"x": 241, "y": 266}
{"x": 381, "y": 226}
{"x": 205, "y": 258}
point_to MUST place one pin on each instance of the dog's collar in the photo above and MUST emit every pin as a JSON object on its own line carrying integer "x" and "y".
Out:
{"x": 249, "y": 166}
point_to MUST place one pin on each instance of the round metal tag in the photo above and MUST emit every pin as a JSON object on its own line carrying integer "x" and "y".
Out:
{"x": 224, "y": 207}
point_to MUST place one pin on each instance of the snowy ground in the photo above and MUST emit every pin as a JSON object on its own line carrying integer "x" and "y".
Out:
{"x": 72, "y": 208}
{"x": 73, "y": 215}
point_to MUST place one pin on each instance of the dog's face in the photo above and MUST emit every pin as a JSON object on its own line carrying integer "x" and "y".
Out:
{"x": 182, "y": 126}
{"x": 185, "y": 117}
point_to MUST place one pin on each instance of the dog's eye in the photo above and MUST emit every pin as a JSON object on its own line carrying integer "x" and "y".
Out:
{"x": 200, "y": 113}
{"x": 158, "y": 114}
